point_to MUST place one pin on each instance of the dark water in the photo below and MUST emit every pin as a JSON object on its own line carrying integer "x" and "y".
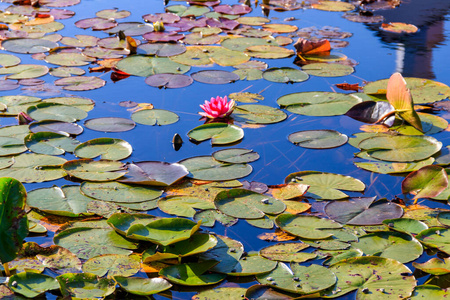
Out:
{"x": 379, "y": 54}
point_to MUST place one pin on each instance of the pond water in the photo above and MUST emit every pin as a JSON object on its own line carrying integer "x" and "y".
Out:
{"x": 378, "y": 54}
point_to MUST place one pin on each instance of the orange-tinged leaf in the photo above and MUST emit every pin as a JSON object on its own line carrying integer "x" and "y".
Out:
{"x": 304, "y": 46}
{"x": 153, "y": 267}
{"x": 348, "y": 87}
{"x": 40, "y": 21}
{"x": 399, "y": 96}
{"x": 399, "y": 27}
{"x": 277, "y": 236}
{"x": 374, "y": 128}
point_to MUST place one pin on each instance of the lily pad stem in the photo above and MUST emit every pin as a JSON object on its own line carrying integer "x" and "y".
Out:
{"x": 7, "y": 272}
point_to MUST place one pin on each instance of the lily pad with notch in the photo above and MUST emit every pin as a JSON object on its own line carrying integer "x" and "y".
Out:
{"x": 24, "y": 71}
{"x": 142, "y": 286}
{"x": 91, "y": 170}
{"x": 106, "y": 148}
{"x": 363, "y": 211}
{"x": 113, "y": 265}
{"x": 145, "y": 66}
{"x": 154, "y": 117}
{"x": 167, "y": 80}
{"x": 215, "y": 77}
{"x": 110, "y": 124}
{"x": 427, "y": 182}
{"x": 258, "y": 114}
{"x": 308, "y": 227}
{"x": 192, "y": 274}
{"x": 85, "y": 285}
{"x": 209, "y": 217}
{"x": 56, "y": 112}
{"x": 31, "y": 284}
{"x": 287, "y": 252}
{"x": 328, "y": 69}
{"x": 80, "y": 83}
{"x": 235, "y": 156}
{"x": 161, "y": 49}
{"x": 27, "y": 46}
{"x": 285, "y": 75}
{"x": 119, "y": 192}
{"x": 207, "y": 168}
{"x": 219, "y": 133}
{"x": 183, "y": 206}
{"x": 50, "y": 143}
{"x": 154, "y": 173}
{"x": 318, "y": 139}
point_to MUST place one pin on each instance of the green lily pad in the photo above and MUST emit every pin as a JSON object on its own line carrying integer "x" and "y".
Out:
{"x": 431, "y": 124}
{"x": 253, "y": 265}
{"x": 56, "y": 112}
{"x": 17, "y": 104}
{"x": 78, "y": 102}
{"x": 6, "y": 162}
{"x": 35, "y": 168}
{"x": 88, "y": 169}
{"x": 429, "y": 291}
{"x": 50, "y": 143}
{"x": 161, "y": 49}
{"x": 145, "y": 66}
{"x": 11, "y": 146}
{"x": 154, "y": 117}
{"x": 24, "y": 71}
{"x": 210, "y": 216}
{"x": 287, "y": 252}
{"x": 318, "y": 139}
{"x": 66, "y": 71}
{"x": 215, "y": 77}
{"x": 444, "y": 218}
{"x": 372, "y": 277}
{"x": 85, "y": 285}
{"x": 422, "y": 90}
{"x": 396, "y": 245}
{"x": 227, "y": 251}
{"x": 187, "y": 11}
{"x": 142, "y": 286}
{"x": 436, "y": 237}
{"x": 192, "y": 274}
{"x": 264, "y": 222}
{"x": 400, "y": 148}
{"x": 318, "y": 103}
{"x": 183, "y": 206}
{"x": 8, "y": 60}
{"x": 235, "y": 156}
{"x": 32, "y": 284}
{"x": 113, "y": 265}
{"x": 170, "y": 81}
{"x": 326, "y": 185}
{"x": 197, "y": 243}
{"x": 308, "y": 227}
{"x": 268, "y": 51}
{"x": 164, "y": 231}
{"x": 219, "y": 133}
{"x": 106, "y": 148}
{"x": 87, "y": 242}
{"x": 154, "y": 173}
{"x": 80, "y": 40}
{"x": 285, "y": 75}
{"x": 249, "y": 74}
{"x": 258, "y": 114}
{"x": 434, "y": 266}
{"x": 362, "y": 211}
{"x": 221, "y": 293}
{"x": 299, "y": 279}
{"x": 110, "y": 124}
{"x": 205, "y": 55}
{"x": 65, "y": 201}
{"x": 428, "y": 182}
{"x": 242, "y": 43}
{"x": 69, "y": 59}
{"x": 245, "y": 204}
{"x": 393, "y": 167}
{"x": 333, "y": 6}
{"x": 406, "y": 225}
{"x": 121, "y": 222}
{"x": 328, "y": 69}
{"x": 119, "y": 192}
{"x": 340, "y": 255}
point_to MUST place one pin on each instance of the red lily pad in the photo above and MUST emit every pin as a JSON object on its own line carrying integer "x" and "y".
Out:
{"x": 131, "y": 28}
{"x": 96, "y": 24}
{"x": 427, "y": 182}
{"x": 166, "y": 18}
{"x": 7, "y": 85}
{"x": 237, "y": 9}
{"x": 161, "y": 49}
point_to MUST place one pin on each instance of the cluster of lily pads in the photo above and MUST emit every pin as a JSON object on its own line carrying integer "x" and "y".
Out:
{"x": 106, "y": 243}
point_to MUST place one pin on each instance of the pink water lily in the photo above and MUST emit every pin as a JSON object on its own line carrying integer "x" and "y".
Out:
{"x": 217, "y": 107}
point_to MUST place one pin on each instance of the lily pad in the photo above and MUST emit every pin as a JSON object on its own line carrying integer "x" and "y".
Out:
{"x": 215, "y": 77}
{"x": 333, "y": 6}
{"x": 88, "y": 169}
{"x": 326, "y": 185}
{"x": 183, "y": 206}
{"x": 35, "y": 168}
{"x": 31, "y": 284}
{"x": 252, "y": 265}
{"x": 192, "y": 274}
{"x": 285, "y": 75}
{"x": 85, "y": 285}
{"x": 161, "y": 49}
{"x": 121, "y": 222}
{"x": 11, "y": 146}
{"x": 106, "y": 148}
{"x": 221, "y": 293}
{"x": 328, "y": 69}
{"x": 406, "y": 225}
{"x": 50, "y": 143}
{"x": 80, "y": 83}
{"x": 145, "y": 66}
{"x": 142, "y": 286}
{"x": 434, "y": 266}
{"x": 396, "y": 245}
{"x": 436, "y": 237}
{"x": 87, "y": 242}
{"x": 299, "y": 279}
{"x": 288, "y": 252}
{"x": 258, "y": 114}
{"x": 318, "y": 103}
{"x": 24, "y": 71}
{"x": 400, "y": 148}
{"x": 383, "y": 167}
{"x": 113, "y": 265}
{"x": 8, "y": 60}
{"x": 65, "y": 201}
{"x": 268, "y": 51}
{"x": 362, "y": 211}
{"x": 170, "y": 81}
{"x": 308, "y": 227}
{"x": 219, "y": 133}
{"x": 154, "y": 173}
{"x": 235, "y": 156}
{"x": 110, "y": 124}
{"x": 154, "y": 117}
{"x": 119, "y": 192}
{"x": 69, "y": 59}
{"x": 245, "y": 204}
{"x": 207, "y": 168}
{"x": 318, "y": 139}
{"x": 372, "y": 277}
{"x": 210, "y": 216}
{"x": 242, "y": 43}
{"x": 27, "y": 46}
{"x": 56, "y": 112}
{"x": 164, "y": 231}
{"x": 229, "y": 251}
